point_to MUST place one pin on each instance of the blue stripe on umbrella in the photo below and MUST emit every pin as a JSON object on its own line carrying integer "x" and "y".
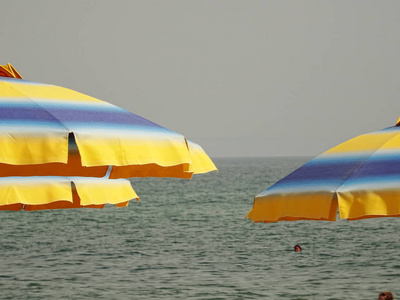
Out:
{"x": 74, "y": 115}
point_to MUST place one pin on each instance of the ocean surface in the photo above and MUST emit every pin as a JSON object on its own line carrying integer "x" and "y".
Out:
{"x": 189, "y": 239}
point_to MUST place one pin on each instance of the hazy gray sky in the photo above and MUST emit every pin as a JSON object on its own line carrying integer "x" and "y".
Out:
{"x": 240, "y": 78}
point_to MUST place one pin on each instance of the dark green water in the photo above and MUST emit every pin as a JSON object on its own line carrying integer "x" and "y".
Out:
{"x": 189, "y": 240}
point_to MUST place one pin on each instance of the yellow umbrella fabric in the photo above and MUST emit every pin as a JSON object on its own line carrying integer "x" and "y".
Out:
{"x": 63, "y": 149}
{"x": 45, "y": 192}
{"x": 360, "y": 178}
{"x": 39, "y": 119}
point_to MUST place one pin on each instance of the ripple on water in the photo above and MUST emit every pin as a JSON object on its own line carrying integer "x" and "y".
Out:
{"x": 189, "y": 240}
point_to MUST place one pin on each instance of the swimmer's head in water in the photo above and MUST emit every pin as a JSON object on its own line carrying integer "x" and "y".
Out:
{"x": 297, "y": 248}
{"x": 385, "y": 296}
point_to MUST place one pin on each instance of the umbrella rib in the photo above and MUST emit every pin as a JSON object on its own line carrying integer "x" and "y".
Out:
{"x": 107, "y": 176}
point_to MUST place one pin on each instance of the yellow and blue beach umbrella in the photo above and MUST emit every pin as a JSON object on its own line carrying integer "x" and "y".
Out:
{"x": 51, "y": 137}
{"x": 360, "y": 177}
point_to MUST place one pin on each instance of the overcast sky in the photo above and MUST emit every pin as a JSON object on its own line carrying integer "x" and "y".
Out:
{"x": 240, "y": 78}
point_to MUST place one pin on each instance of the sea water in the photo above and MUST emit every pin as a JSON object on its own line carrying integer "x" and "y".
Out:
{"x": 189, "y": 239}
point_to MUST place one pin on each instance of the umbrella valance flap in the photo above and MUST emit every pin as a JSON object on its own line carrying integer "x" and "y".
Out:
{"x": 200, "y": 162}
{"x": 50, "y": 192}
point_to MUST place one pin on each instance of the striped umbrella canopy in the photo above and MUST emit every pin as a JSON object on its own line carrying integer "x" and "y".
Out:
{"x": 360, "y": 177}
{"x": 60, "y": 148}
